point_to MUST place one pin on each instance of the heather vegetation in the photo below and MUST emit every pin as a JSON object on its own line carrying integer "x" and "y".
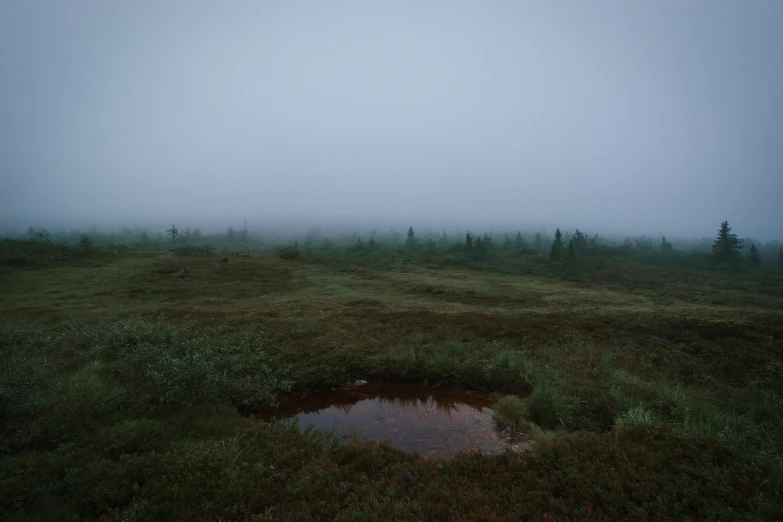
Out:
{"x": 132, "y": 364}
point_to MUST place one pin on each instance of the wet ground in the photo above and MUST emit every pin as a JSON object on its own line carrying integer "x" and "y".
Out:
{"x": 434, "y": 421}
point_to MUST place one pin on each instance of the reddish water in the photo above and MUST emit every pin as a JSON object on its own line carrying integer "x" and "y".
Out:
{"x": 435, "y": 421}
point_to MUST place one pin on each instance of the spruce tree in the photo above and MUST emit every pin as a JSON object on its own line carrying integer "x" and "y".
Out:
{"x": 665, "y": 245}
{"x": 411, "y": 240}
{"x": 726, "y": 247}
{"x": 488, "y": 243}
{"x": 507, "y": 242}
{"x": 557, "y": 245}
{"x": 780, "y": 258}
{"x": 444, "y": 239}
{"x": 479, "y": 247}
{"x": 579, "y": 239}
{"x": 243, "y": 233}
{"x": 173, "y": 232}
{"x": 468, "y": 241}
{"x": 539, "y": 241}
{"x": 753, "y": 255}
{"x": 519, "y": 242}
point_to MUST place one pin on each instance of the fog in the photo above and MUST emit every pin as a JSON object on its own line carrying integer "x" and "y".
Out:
{"x": 660, "y": 117}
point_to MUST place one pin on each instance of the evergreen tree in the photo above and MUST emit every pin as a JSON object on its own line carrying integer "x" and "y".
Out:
{"x": 579, "y": 239}
{"x": 243, "y": 233}
{"x": 665, "y": 245}
{"x": 557, "y": 245}
{"x": 487, "y": 241}
{"x": 444, "y": 239}
{"x": 570, "y": 253}
{"x": 753, "y": 255}
{"x": 411, "y": 239}
{"x": 780, "y": 258}
{"x": 726, "y": 247}
{"x": 173, "y": 232}
{"x": 506, "y": 242}
{"x": 519, "y": 242}
{"x": 230, "y": 232}
{"x": 372, "y": 244}
{"x": 539, "y": 242}
{"x": 468, "y": 241}
{"x": 479, "y": 247}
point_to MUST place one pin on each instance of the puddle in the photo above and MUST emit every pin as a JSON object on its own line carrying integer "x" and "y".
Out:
{"x": 434, "y": 421}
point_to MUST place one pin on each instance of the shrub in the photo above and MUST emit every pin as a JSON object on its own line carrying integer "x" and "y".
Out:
{"x": 289, "y": 252}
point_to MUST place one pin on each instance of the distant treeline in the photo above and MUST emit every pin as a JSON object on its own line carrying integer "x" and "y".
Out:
{"x": 726, "y": 249}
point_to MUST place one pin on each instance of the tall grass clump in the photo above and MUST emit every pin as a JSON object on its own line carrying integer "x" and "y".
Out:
{"x": 636, "y": 416}
{"x": 551, "y": 408}
{"x": 510, "y": 411}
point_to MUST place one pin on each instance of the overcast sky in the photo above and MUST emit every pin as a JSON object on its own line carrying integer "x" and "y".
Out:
{"x": 644, "y": 116}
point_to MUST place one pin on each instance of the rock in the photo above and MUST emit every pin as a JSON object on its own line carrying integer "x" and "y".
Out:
{"x": 183, "y": 270}
{"x": 224, "y": 260}
{"x": 505, "y": 433}
{"x": 360, "y": 382}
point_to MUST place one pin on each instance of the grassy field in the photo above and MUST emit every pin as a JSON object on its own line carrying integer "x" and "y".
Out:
{"x": 653, "y": 391}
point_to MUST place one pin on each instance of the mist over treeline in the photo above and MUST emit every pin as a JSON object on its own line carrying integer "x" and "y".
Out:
{"x": 247, "y": 236}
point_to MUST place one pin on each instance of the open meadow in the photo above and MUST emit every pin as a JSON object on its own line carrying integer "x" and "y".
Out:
{"x": 129, "y": 388}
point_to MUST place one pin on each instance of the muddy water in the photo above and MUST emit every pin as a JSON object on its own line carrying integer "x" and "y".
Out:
{"x": 434, "y": 421}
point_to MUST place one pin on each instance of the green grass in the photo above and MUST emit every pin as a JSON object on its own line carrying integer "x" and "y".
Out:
{"x": 652, "y": 392}
{"x": 510, "y": 411}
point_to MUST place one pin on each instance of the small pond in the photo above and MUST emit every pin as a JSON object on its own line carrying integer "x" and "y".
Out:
{"x": 434, "y": 421}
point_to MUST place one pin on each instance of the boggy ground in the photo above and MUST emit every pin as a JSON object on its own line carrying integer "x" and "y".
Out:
{"x": 652, "y": 392}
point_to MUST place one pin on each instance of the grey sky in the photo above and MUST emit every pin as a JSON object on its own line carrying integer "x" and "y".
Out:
{"x": 656, "y": 116}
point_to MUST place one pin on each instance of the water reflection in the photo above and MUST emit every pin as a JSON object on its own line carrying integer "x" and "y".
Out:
{"x": 436, "y": 421}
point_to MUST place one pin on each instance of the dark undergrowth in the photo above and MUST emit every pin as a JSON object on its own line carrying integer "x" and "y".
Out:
{"x": 137, "y": 420}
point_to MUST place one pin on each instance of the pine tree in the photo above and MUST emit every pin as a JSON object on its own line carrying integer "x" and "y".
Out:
{"x": 506, "y": 242}
{"x": 468, "y": 241}
{"x": 230, "y": 232}
{"x": 579, "y": 239}
{"x": 173, "y": 232}
{"x": 480, "y": 246}
{"x": 570, "y": 253}
{"x": 372, "y": 244}
{"x": 243, "y": 233}
{"x": 519, "y": 242}
{"x": 726, "y": 247}
{"x": 780, "y": 258}
{"x": 557, "y": 245}
{"x": 753, "y": 255}
{"x": 488, "y": 243}
{"x": 444, "y": 239}
{"x": 411, "y": 239}
{"x": 539, "y": 241}
{"x": 665, "y": 245}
